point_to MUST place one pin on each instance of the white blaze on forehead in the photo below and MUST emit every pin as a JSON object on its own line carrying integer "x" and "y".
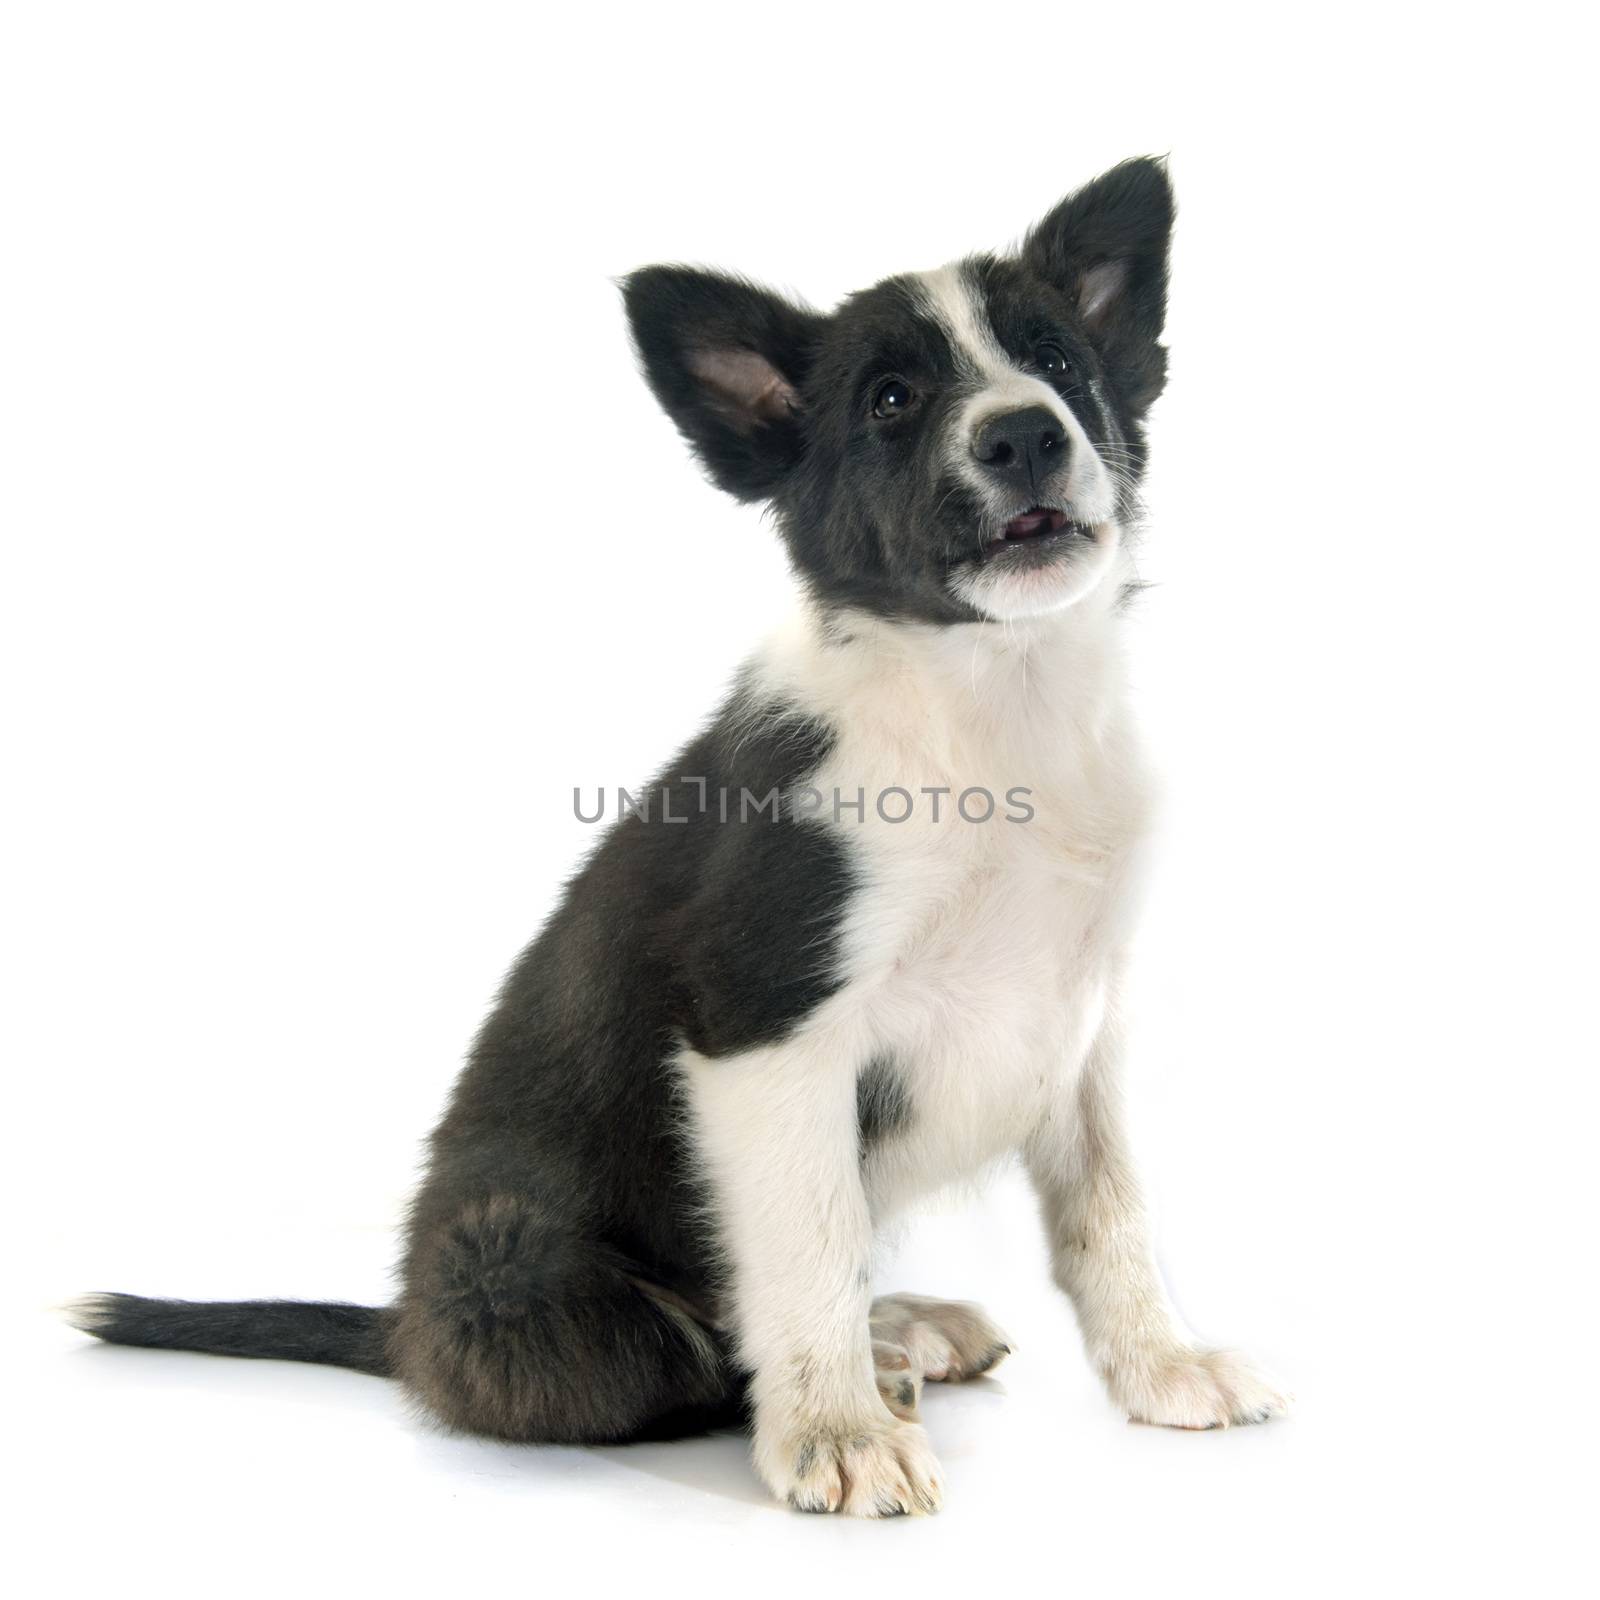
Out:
{"x": 953, "y": 302}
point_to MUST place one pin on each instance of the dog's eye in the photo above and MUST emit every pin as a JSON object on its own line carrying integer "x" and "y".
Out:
{"x": 891, "y": 399}
{"x": 1053, "y": 359}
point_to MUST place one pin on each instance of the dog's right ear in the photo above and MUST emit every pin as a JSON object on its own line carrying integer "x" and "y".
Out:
{"x": 726, "y": 359}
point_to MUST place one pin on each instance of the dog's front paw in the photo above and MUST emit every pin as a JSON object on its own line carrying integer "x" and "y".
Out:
{"x": 1186, "y": 1388}
{"x": 881, "y": 1469}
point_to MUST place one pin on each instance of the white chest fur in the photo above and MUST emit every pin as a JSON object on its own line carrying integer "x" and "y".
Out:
{"x": 975, "y": 952}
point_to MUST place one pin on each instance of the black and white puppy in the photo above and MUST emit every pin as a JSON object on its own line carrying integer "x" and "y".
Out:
{"x": 867, "y": 936}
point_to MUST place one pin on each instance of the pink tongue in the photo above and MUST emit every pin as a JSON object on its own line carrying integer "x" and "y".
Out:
{"x": 1030, "y": 523}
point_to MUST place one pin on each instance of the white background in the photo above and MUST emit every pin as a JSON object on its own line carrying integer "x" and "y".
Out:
{"x": 342, "y": 541}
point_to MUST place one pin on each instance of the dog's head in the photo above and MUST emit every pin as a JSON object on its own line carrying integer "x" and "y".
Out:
{"x": 946, "y": 446}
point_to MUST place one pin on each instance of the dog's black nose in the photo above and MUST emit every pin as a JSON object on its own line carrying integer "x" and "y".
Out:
{"x": 1021, "y": 447}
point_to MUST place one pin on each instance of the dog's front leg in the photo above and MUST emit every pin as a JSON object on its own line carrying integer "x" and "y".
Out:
{"x": 776, "y": 1133}
{"x": 1101, "y": 1256}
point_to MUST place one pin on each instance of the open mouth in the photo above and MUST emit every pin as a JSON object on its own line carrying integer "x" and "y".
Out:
{"x": 1039, "y": 525}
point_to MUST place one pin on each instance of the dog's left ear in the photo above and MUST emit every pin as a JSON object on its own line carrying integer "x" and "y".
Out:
{"x": 1106, "y": 247}
{"x": 726, "y": 359}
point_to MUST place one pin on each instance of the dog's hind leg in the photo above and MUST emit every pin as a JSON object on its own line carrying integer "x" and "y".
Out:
{"x": 917, "y": 1339}
{"x": 515, "y": 1325}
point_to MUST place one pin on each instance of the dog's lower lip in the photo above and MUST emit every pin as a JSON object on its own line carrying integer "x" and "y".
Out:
{"x": 1033, "y": 522}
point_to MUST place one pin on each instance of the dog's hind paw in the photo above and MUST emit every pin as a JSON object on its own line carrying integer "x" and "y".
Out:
{"x": 942, "y": 1341}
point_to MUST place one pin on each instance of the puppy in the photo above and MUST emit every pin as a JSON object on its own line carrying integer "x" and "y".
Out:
{"x": 864, "y": 936}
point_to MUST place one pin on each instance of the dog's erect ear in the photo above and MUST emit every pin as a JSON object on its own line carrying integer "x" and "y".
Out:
{"x": 726, "y": 359}
{"x": 1106, "y": 246}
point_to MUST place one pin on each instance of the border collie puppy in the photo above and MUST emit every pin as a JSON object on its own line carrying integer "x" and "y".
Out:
{"x": 863, "y": 937}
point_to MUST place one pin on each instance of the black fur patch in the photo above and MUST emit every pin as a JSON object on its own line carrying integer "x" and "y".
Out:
{"x": 883, "y": 1106}
{"x": 752, "y": 948}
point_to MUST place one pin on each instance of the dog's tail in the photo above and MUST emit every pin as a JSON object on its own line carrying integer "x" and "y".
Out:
{"x": 330, "y": 1333}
